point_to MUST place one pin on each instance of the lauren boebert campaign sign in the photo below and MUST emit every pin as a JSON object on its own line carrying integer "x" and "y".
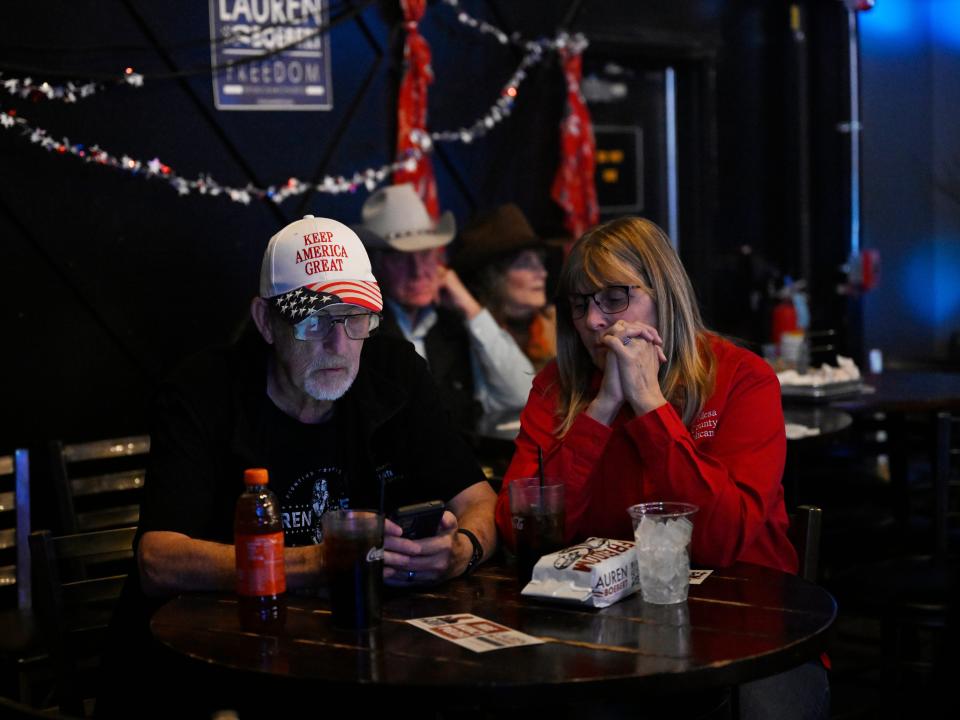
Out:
{"x": 270, "y": 55}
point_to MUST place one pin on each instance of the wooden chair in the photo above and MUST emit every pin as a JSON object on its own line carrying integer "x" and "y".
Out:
{"x": 77, "y": 580}
{"x": 15, "y": 525}
{"x": 20, "y": 654}
{"x": 805, "y": 524}
{"x": 98, "y": 483}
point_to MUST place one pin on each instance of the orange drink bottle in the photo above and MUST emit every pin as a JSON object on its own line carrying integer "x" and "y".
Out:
{"x": 258, "y": 539}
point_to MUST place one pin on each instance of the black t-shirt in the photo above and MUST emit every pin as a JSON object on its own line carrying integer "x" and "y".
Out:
{"x": 306, "y": 473}
{"x": 390, "y": 442}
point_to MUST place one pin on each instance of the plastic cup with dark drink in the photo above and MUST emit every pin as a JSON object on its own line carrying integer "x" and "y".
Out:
{"x": 538, "y": 515}
{"x": 353, "y": 556}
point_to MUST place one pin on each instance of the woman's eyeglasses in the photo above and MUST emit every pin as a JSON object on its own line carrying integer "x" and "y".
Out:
{"x": 358, "y": 326}
{"x": 611, "y": 300}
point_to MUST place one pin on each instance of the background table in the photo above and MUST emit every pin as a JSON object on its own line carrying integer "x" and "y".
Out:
{"x": 905, "y": 404}
{"x": 742, "y": 623}
{"x": 906, "y": 391}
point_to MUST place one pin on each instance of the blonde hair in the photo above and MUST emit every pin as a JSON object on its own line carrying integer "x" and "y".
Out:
{"x": 634, "y": 251}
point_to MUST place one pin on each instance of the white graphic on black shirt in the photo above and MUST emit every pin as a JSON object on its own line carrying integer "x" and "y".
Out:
{"x": 321, "y": 498}
{"x": 303, "y": 503}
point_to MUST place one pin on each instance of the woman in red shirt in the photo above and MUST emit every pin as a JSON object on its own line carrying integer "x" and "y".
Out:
{"x": 644, "y": 404}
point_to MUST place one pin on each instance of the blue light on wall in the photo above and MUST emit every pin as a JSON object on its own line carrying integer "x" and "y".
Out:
{"x": 945, "y": 22}
{"x": 894, "y": 25}
{"x": 931, "y": 283}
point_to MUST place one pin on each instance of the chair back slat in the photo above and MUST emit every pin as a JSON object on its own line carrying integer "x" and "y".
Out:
{"x": 85, "y": 592}
{"x": 93, "y": 478}
{"x": 103, "y": 449}
{"x": 110, "y": 517}
{"x": 8, "y": 538}
{"x": 91, "y": 545}
{"x": 109, "y": 482}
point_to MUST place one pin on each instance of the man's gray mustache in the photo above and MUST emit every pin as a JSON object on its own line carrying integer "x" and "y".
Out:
{"x": 331, "y": 362}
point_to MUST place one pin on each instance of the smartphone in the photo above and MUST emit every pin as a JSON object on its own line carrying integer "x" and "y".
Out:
{"x": 419, "y": 520}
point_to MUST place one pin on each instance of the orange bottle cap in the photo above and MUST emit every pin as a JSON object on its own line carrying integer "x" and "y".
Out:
{"x": 255, "y": 476}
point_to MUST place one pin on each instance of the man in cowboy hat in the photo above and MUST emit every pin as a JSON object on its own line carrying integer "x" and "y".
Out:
{"x": 338, "y": 418}
{"x": 477, "y": 365}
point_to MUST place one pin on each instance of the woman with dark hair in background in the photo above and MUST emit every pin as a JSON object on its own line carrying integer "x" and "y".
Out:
{"x": 501, "y": 260}
{"x": 645, "y": 404}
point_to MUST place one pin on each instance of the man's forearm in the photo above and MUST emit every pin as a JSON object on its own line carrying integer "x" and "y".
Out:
{"x": 172, "y": 562}
{"x": 474, "y": 508}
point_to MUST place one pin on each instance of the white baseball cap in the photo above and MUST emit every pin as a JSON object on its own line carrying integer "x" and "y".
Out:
{"x": 314, "y": 263}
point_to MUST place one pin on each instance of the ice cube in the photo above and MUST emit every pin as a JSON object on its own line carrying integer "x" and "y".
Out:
{"x": 677, "y": 531}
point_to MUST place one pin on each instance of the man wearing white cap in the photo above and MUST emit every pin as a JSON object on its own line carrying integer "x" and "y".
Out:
{"x": 337, "y": 419}
{"x": 477, "y": 365}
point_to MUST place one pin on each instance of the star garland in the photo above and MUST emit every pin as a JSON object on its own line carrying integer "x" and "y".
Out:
{"x": 204, "y": 184}
{"x": 69, "y": 92}
{"x": 369, "y": 178}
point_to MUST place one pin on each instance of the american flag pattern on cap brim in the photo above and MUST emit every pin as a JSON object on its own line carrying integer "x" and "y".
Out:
{"x": 358, "y": 292}
{"x": 306, "y": 301}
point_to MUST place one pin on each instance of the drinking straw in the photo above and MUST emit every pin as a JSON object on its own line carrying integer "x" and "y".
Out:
{"x": 540, "y": 466}
{"x": 383, "y": 492}
{"x": 540, "y": 501}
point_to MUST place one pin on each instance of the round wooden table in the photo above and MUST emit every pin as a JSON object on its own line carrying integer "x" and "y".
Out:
{"x": 741, "y": 623}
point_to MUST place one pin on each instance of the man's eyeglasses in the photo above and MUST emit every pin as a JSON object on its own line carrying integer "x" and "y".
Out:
{"x": 316, "y": 327}
{"x": 611, "y": 300}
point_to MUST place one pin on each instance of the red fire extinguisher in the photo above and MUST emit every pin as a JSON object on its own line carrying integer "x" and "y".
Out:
{"x": 784, "y": 317}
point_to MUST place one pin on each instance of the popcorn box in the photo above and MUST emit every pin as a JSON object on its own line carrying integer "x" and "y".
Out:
{"x": 597, "y": 572}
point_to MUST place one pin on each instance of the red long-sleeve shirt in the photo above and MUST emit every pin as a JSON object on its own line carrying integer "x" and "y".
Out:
{"x": 729, "y": 463}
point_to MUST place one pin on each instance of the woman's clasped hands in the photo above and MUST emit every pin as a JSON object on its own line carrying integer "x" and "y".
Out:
{"x": 634, "y": 353}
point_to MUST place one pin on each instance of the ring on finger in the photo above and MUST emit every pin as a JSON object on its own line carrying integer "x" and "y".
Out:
{"x": 627, "y": 340}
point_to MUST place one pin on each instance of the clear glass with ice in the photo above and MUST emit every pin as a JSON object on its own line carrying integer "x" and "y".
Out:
{"x": 662, "y": 532}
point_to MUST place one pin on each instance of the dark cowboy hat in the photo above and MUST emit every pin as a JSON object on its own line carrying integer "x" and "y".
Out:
{"x": 493, "y": 236}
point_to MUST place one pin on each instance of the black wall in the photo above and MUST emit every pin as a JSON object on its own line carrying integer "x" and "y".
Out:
{"x": 110, "y": 279}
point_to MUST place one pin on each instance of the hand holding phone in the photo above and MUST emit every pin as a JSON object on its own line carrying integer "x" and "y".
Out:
{"x": 419, "y": 520}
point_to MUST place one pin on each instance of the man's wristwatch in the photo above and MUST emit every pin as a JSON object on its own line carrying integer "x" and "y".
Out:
{"x": 477, "y": 554}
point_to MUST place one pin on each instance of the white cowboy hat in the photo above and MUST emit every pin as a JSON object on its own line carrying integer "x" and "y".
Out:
{"x": 395, "y": 217}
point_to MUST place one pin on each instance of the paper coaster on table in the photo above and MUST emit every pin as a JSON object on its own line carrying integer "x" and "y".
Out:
{"x": 474, "y": 633}
{"x": 698, "y": 576}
